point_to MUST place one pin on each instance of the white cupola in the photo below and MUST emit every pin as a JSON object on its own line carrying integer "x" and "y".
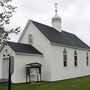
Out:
{"x": 56, "y": 20}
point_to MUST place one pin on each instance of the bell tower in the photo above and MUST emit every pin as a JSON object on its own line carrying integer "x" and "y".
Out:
{"x": 56, "y": 20}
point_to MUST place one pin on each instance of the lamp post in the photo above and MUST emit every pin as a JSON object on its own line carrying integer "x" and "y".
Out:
{"x": 11, "y": 70}
{"x": 9, "y": 75}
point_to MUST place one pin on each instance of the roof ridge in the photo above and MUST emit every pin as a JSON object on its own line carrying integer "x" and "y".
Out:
{"x": 68, "y": 32}
{"x": 40, "y": 23}
{"x": 51, "y": 27}
{"x": 45, "y": 25}
{"x": 64, "y": 37}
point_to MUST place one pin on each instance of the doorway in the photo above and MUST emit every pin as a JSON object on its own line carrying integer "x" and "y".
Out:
{"x": 5, "y": 68}
{"x": 33, "y": 72}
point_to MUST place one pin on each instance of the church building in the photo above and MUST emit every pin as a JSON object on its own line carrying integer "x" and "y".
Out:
{"x": 45, "y": 53}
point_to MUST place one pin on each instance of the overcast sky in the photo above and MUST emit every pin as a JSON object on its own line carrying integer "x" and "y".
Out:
{"x": 75, "y": 15}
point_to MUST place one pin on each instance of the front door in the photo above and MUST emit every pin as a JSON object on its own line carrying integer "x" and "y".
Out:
{"x": 34, "y": 74}
{"x": 5, "y": 68}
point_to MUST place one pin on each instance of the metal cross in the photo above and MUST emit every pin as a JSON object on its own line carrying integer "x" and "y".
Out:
{"x": 56, "y": 7}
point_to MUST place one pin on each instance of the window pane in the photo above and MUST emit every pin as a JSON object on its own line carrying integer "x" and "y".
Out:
{"x": 65, "y": 57}
{"x": 75, "y": 58}
{"x": 75, "y": 63}
{"x": 65, "y": 63}
{"x": 87, "y": 60}
{"x": 75, "y": 53}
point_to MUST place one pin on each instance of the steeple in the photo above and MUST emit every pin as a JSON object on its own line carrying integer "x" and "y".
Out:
{"x": 56, "y": 20}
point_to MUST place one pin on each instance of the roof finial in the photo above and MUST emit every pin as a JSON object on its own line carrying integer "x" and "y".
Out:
{"x": 56, "y": 8}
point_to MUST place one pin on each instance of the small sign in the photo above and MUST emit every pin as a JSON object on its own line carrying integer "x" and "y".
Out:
{"x": 11, "y": 58}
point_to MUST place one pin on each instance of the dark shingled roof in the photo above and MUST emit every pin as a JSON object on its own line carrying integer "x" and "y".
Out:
{"x": 23, "y": 48}
{"x": 63, "y": 37}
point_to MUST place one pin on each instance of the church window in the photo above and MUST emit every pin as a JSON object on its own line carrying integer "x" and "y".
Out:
{"x": 65, "y": 58}
{"x": 75, "y": 58}
{"x": 6, "y": 53}
{"x": 87, "y": 59}
{"x": 30, "y": 38}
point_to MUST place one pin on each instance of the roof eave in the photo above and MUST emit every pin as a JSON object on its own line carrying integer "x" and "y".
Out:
{"x": 2, "y": 46}
{"x": 57, "y": 44}
{"x": 28, "y": 54}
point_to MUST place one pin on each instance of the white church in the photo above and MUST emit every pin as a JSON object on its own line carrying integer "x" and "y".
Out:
{"x": 45, "y": 53}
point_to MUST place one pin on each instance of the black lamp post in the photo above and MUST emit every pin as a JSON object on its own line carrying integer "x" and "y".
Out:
{"x": 11, "y": 70}
{"x": 9, "y": 75}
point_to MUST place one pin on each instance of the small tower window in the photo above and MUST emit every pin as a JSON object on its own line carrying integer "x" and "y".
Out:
{"x": 6, "y": 53}
{"x": 75, "y": 58}
{"x": 64, "y": 58}
{"x": 87, "y": 59}
{"x": 30, "y": 38}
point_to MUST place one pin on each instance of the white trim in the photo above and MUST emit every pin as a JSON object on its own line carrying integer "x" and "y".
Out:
{"x": 6, "y": 57}
{"x": 56, "y": 44}
{"x": 8, "y": 46}
{"x": 29, "y": 21}
{"x": 28, "y": 54}
{"x": 24, "y": 31}
{"x": 1, "y": 47}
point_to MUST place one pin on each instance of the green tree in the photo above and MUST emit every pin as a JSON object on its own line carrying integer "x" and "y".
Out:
{"x": 6, "y": 11}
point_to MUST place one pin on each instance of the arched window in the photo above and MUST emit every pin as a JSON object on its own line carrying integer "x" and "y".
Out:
{"x": 6, "y": 53}
{"x": 87, "y": 59}
{"x": 64, "y": 58}
{"x": 75, "y": 58}
{"x": 30, "y": 38}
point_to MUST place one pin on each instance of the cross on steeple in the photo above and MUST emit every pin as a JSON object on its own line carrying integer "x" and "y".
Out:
{"x": 56, "y": 8}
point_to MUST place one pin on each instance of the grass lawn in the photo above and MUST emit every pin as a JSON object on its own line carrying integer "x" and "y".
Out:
{"x": 82, "y": 83}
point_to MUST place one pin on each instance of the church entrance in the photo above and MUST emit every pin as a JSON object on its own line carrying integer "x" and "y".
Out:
{"x": 5, "y": 68}
{"x": 33, "y": 72}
